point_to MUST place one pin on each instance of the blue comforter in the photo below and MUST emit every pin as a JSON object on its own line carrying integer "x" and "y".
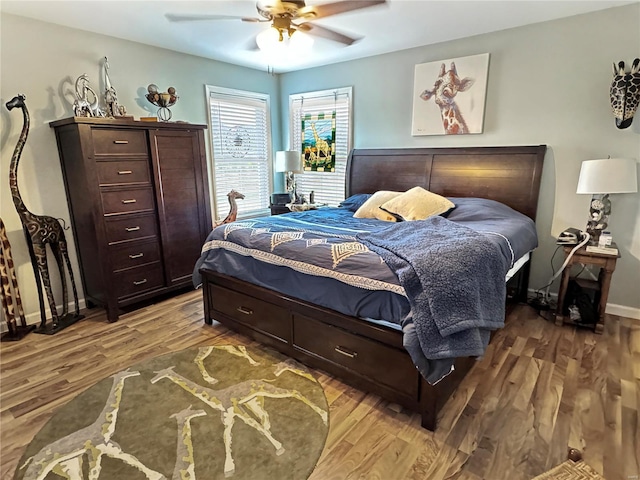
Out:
{"x": 456, "y": 299}
{"x": 296, "y": 252}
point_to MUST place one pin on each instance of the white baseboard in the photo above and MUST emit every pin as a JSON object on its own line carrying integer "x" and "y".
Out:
{"x": 623, "y": 311}
{"x": 33, "y": 318}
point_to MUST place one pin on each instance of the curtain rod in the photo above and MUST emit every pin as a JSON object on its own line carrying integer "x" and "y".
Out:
{"x": 336, "y": 94}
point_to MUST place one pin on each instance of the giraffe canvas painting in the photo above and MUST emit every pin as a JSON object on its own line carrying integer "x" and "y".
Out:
{"x": 449, "y": 96}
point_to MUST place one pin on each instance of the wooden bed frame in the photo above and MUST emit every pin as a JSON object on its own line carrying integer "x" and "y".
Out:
{"x": 367, "y": 355}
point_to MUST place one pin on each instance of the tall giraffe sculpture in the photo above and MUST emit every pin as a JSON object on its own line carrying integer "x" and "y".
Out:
{"x": 233, "y": 212}
{"x": 446, "y": 87}
{"x": 625, "y": 93}
{"x": 40, "y": 231}
{"x": 10, "y": 295}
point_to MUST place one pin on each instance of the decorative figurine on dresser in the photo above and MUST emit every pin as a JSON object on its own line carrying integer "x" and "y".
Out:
{"x": 40, "y": 231}
{"x": 164, "y": 100}
{"x": 139, "y": 201}
{"x": 114, "y": 109}
{"x": 87, "y": 103}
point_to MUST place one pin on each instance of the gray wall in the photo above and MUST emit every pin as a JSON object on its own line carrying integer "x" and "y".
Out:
{"x": 548, "y": 84}
{"x": 42, "y": 60}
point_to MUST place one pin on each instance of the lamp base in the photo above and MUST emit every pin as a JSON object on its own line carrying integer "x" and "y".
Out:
{"x": 291, "y": 187}
{"x": 599, "y": 212}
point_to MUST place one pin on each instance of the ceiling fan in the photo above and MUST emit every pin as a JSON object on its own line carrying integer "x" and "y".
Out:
{"x": 289, "y": 16}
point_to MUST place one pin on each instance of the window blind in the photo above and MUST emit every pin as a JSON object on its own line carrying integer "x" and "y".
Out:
{"x": 240, "y": 132}
{"x": 328, "y": 187}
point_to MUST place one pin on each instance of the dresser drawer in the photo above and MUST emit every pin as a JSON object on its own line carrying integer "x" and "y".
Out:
{"x": 123, "y": 172}
{"x": 256, "y": 314}
{"x": 131, "y": 227}
{"x": 138, "y": 280}
{"x": 119, "y": 141}
{"x": 133, "y": 254}
{"x": 387, "y": 365}
{"x": 126, "y": 201}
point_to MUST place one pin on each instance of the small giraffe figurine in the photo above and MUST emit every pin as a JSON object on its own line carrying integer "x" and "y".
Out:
{"x": 40, "y": 231}
{"x": 447, "y": 86}
{"x": 233, "y": 212}
{"x": 625, "y": 93}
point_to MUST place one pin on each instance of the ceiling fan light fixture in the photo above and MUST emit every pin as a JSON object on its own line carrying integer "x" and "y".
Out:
{"x": 274, "y": 41}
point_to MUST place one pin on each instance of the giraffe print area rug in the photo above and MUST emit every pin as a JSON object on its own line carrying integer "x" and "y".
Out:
{"x": 209, "y": 413}
{"x": 571, "y": 470}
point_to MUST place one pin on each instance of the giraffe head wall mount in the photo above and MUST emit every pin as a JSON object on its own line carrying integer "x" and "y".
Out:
{"x": 625, "y": 93}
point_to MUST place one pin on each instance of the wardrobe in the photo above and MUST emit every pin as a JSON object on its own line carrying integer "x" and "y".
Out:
{"x": 139, "y": 200}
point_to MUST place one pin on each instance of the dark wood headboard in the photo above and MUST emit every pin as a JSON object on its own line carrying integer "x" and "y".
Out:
{"x": 510, "y": 175}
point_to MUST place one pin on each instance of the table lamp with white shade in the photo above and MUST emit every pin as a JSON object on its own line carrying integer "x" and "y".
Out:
{"x": 289, "y": 161}
{"x": 601, "y": 178}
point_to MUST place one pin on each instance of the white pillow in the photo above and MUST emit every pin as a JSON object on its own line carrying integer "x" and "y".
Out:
{"x": 371, "y": 208}
{"x": 417, "y": 204}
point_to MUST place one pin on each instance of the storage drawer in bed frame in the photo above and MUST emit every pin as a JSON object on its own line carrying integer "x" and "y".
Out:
{"x": 263, "y": 317}
{"x": 368, "y": 357}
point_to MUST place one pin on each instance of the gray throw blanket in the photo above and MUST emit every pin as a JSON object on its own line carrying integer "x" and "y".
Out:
{"x": 454, "y": 278}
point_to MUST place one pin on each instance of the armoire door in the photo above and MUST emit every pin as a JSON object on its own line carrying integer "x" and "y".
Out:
{"x": 179, "y": 168}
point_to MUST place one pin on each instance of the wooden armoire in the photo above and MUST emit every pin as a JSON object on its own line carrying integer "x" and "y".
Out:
{"x": 139, "y": 201}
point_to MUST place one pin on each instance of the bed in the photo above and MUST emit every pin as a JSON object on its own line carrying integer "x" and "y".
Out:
{"x": 355, "y": 344}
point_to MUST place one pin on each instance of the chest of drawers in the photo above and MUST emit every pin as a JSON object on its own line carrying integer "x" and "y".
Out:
{"x": 139, "y": 201}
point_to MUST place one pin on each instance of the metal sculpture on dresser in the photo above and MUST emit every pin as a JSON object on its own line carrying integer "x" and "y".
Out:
{"x": 114, "y": 108}
{"x": 164, "y": 100}
{"x": 40, "y": 231}
{"x": 83, "y": 106}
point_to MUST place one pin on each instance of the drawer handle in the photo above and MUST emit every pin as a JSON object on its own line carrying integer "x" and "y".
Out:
{"x": 141, "y": 282}
{"x": 132, "y": 229}
{"x": 121, "y": 142}
{"x": 137, "y": 255}
{"x": 245, "y": 310}
{"x": 345, "y": 352}
{"x": 125, "y": 172}
{"x": 132, "y": 200}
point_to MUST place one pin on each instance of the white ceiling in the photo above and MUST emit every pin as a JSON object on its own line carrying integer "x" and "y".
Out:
{"x": 398, "y": 25}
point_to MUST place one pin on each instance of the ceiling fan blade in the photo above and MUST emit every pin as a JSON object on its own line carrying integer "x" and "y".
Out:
{"x": 328, "y": 9}
{"x": 324, "y": 32}
{"x": 176, "y": 17}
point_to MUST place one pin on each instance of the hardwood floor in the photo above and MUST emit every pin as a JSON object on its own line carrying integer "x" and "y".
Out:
{"x": 539, "y": 389}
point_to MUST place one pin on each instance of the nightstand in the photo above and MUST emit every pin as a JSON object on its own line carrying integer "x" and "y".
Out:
{"x": 277, "y": 209}
{"x": 607, "y": 265}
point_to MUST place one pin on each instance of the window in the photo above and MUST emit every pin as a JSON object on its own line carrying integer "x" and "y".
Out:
{"x": 240, "y": 139}
{"x": 328, "y": 187}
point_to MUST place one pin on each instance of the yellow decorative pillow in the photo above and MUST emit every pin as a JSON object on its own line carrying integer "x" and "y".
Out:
{"x": 371, "y": 208}
{"x": 417, "y": 204}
